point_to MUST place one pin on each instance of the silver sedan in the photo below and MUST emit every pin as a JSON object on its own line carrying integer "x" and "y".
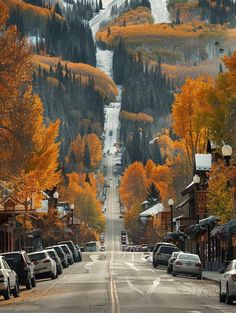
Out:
{"x": 187, "y": 263}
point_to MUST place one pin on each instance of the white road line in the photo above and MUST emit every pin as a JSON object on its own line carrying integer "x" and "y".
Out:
{"x": 56, "y": 282}
{"x": 134, "y": 288}
{"x": 153, "y": 287}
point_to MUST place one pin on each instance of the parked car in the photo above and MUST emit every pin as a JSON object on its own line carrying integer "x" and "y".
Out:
{"x": 45, "y": 266}
{"x": 23, "y": 267}
{"x": 53, "y": 254}
{"x": 228, "y": 283}
{"x": 158, "y": 244}
{"x": 68, "y": 252}
{"x": 164, "y": 253}
{"x": 75, "y": 252}
{"x": 79, "y": 249}
{"x": 62, "y": 255}
{"x": 173, "y": 257}
{"x": 8, "y": 280}
{"x": 187, "y": 263}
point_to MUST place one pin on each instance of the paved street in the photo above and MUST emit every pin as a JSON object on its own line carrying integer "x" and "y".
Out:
{"x": 119, "y": 282}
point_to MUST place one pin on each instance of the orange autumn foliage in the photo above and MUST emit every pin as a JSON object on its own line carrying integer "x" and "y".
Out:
{"x": 147, "y": 33}
{"x": 139, "y": 15}
{"x": 103, "y": 83}
{"x": 190, "y": 114}
{"x": 87, "y": 208}
{"x": 133, "y": 185}
{"x": 140, "y": 117}
{"x": 29, "y": 154}
{"x": 95, "y": 149}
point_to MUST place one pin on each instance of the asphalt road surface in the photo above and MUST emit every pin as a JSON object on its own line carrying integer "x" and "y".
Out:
{"x": 118, "y": 282}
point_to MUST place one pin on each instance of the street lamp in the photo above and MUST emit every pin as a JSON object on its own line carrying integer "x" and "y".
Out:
{"x": 196, "y": 179}
{"x": 227, "y": 153}
{"x": 56, "y": 196}
{"x": 72, "y": 206}
{"x": 171, "y": 203}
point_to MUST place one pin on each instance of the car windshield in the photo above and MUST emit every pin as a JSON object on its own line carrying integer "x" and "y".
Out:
{"x": 51, "y": 254}
{"x": 192, "y": 257}
{"x": 65, "y": 249}
{"x": 37, "y": 256}
{"x": 58, "y": 250}
{"x": 167, "y": 250}
{"x": 15, "y": 257}
{"x": 174, "y": 254}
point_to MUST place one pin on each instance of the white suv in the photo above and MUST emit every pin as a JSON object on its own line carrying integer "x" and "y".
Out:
{"x": 8, "y": 280}
{"x": 45, "y": 266}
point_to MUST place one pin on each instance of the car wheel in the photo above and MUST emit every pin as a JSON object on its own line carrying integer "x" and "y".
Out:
{"x": 228, "y": 299}
{"x": 174, "y": 274}
{"x": 28, "y": 284}
{"x": 155, "y": 264}
{"x": 168, "y": 270}
{"x": 7, "y": 292}
{"x": 16, "y": 290}
{"x": 199, "y": 277}
{"x": 33, "y": 282}
{"x": 221, "y": 297}
{"x": 53, "y": 275}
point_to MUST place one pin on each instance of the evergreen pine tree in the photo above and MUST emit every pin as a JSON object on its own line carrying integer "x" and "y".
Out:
{"x": 100, "y": 5}
{"x": 87, "y": 158}
{"x": 153, "y": 195}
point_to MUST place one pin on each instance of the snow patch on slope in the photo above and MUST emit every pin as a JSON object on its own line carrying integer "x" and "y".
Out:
{"x": 159, "y": 11}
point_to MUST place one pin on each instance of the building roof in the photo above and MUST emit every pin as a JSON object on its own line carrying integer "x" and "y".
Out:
{"x": 154, "y": 210}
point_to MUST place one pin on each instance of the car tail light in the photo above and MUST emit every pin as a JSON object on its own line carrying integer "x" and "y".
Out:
{"x": 46, "y": 261}
{"x": 178, "y": 263}
{"x": 233, "y": 277}
{"x": 198, "y": 265}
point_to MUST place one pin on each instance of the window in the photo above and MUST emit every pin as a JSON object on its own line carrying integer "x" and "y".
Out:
{"x": 5, "y": 265}
{"x": 37, "y": 256}
{"x": 191, "y": 257}
{"x": 167, "y": 250}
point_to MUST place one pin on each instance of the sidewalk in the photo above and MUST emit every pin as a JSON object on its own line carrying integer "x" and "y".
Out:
{"x": 213, "y": 276}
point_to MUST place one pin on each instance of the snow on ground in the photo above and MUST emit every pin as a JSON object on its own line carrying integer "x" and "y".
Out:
{"x": 111, "y": 127}
{"x": 104, "y": 14}
{"x": 159, "y": 11}
{"x": 104, "y": 61}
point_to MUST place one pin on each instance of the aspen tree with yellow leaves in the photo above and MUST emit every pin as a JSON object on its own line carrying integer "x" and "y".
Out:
{"x": 29, "y": 153}
{"x": 190, "y": 114}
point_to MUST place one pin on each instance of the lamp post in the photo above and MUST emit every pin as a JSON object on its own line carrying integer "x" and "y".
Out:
{"x": 171, "y": 203}
{"x": 72, "y": 206}
{"x": 55, "y": 197}
{"x": 196, "y": 179}
{"x": 227, "y": 153}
